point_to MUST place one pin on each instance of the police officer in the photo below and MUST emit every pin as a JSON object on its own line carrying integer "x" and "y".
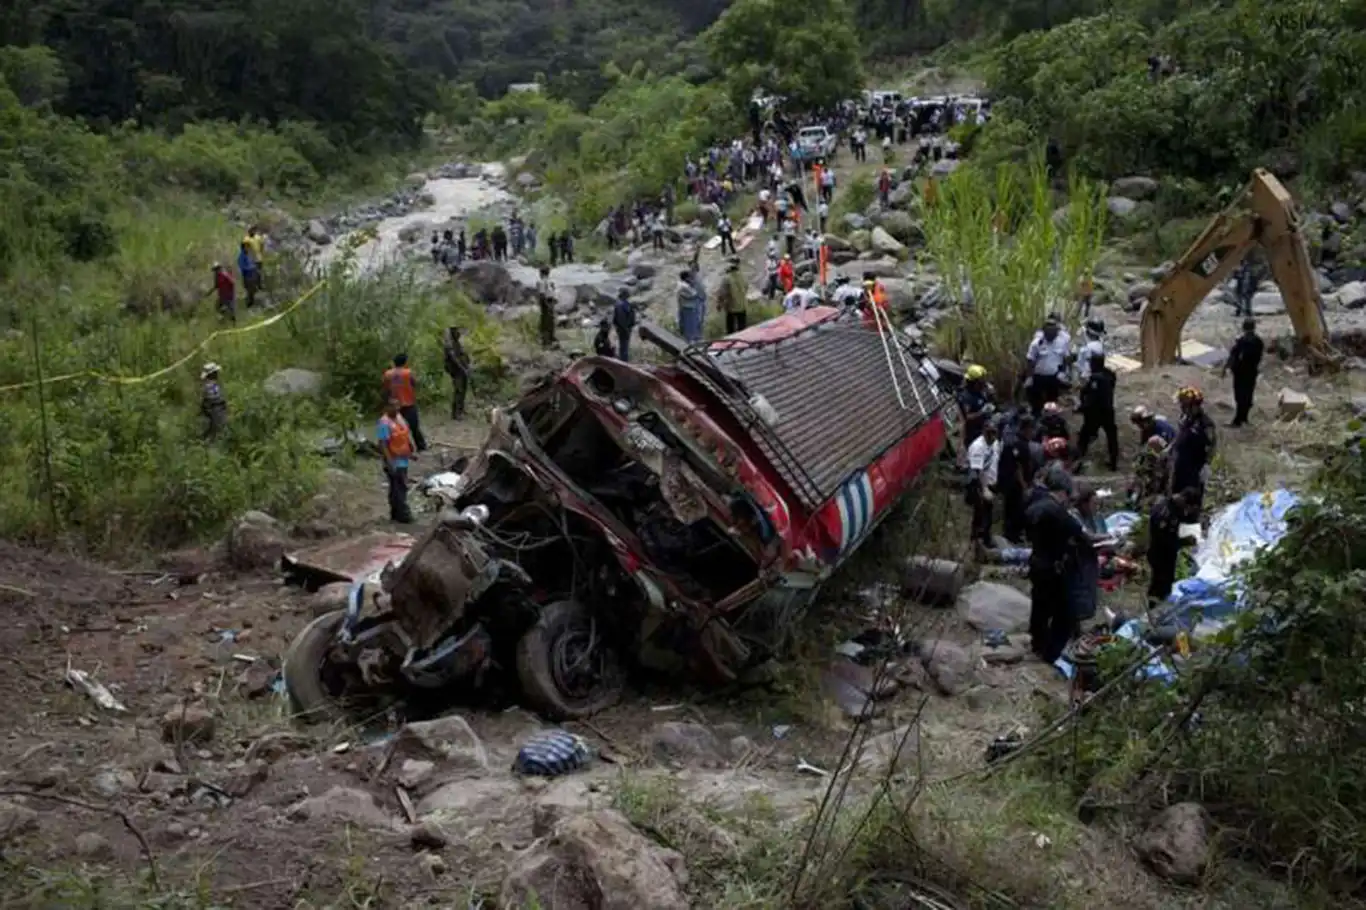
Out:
{"x": 1048, "y": 356}
{"x": 1194, "y": 448}
{"x": 1244, "y": 362}
{"x": 401, "y": 386}
{"x": 1056, "y": 538}
{"x": 1098, "y": 410}
{"x": 1014, "y": 476}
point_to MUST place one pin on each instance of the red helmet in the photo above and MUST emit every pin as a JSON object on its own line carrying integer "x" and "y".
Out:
{"x": 1055, "y": 447}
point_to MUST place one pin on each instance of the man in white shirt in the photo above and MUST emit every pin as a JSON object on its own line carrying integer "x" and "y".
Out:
{"x": 1093, "y": 347}
{"x": 800, "y": 297}
{"x": 984, "y": 456}
{"x": 1048, "y": 357}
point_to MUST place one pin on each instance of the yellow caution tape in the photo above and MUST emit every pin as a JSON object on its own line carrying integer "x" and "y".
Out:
{"x": 197, "y": 349}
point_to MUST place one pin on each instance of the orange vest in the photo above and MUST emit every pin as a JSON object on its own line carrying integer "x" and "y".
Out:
{"x": 398, "y": 383}
{"x": 816, "y": 175}
{"x": 400, "y": 441}
{"x": 880, "y": 295}
{"x": 824, "y": 262}
{"x": 786, "y": 275}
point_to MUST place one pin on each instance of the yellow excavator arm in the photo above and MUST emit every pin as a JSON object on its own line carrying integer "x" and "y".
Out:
{"x": 1264, "y": 214}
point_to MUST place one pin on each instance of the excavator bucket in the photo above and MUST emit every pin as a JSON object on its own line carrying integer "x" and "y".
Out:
{"x": 1264, "y": 214}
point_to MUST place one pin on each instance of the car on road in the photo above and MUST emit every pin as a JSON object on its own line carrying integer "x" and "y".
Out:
{"x": 815, "y": 143}
{"x": 675, "y": 516}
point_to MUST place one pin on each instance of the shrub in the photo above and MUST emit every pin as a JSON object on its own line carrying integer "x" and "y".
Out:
{"x": 1018, "y": 275}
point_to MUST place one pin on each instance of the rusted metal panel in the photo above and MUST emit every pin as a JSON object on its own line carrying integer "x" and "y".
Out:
{"x": 837, "y": 407}
{"x": 349, "y": 559}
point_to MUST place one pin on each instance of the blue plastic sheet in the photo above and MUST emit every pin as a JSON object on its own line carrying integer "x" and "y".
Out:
{"x": 1236, "y": 535}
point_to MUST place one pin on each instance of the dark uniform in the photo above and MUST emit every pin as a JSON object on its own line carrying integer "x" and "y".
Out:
{"x": 1014, "y": 476}
{"x": 973, "y": 400}
{"x": 1244, "y": 362}
{"x": 1191, "y": 452}
{"x": 1098, "y": 413}
{"x": 1164, "y": 545}
{"x": 1057, "y": 539}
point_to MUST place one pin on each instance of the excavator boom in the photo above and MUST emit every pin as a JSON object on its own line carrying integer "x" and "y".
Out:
{"x": 1264, "y": 215}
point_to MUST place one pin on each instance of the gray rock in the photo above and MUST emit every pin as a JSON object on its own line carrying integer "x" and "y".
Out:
{"x": 1341, "y": 212}
{"x": 413, "y": 772}
{"x": 294, "y": 381}
{"x": 256, "y": 541}
{"x": 888, "y": 752}
{"x": 901, "y": 226}
{"x": 856, "y": 222}
{"x": 933, "y": 581}
{"x": 836, "y": 243}
{"x": 1139, "y": 292}
{"x": 902, "y": 196}
{"x": 316, "y": 232}
{"x": 428, "y": 835}
{"x": 527, "y": 180}
{"x": 1121, "y": 207}
{"x": 93, "y": 846}
{"x": 1176, "y": 844}
{"x": 990, "y": 606}
{"x": 952, "y": 667}
{"x": 900, "y": 294}
{"x": 16, "y": 821}
{"x": 640, "y": 267}
{"x": 343, "y": 804}
{"x": 1352, "y": 295}
{"x": 944, "y": 167}
{"x": 1134, "y": 187}
{"x": 861, "y": 240}
{"x": 1268, "y": 303}
{"x": 1291, "y": 405}
{"x": 188, "y": 724}
{"x": 448, "y": 740}
{"x": 685, "y": 744}
{"x": 113, "y": 782}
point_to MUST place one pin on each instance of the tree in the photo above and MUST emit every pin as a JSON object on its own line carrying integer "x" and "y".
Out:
{"x": 808, "y": 53}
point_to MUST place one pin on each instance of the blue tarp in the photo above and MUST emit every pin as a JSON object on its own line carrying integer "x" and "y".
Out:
{"x": 1236, "y": 534}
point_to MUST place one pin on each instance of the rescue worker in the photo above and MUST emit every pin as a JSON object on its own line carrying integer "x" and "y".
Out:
{"x": 1152, "y": 474}
{"x": 727, "y": 234}
{"x": 984, "y": 459}
{"x": 254, "y": 276}
{"x": 1048, "y": 355}
{"x": 1193, "y": 449}
{"x": 875, "y": 297}
{"x": 212, "y": 405}
{"x": 1015, "y": 475}
{"x": 1098, "y": 410}
{"x": 1057, "y": 541}
{"x": 1094, "y": 344}
{"x": 1150, "y": 425}
{"x": 1055, "y": 452}
{"x": 396, "y": 447}
{"x": 226, "y": 290}
{"x": 1245, "y": 288}
{"x": 623, "y": 320}
{"x": 1164, "y": 542}
{"x": 457, "y": 364}
{"x": 731, "y": 297}
{"x": 545, "y": 304}
{"x": 1244, "y": 361}
{"x": 1053, "y": 424}
{"x": 977, "y": 401}
{"x": 400, "y": 385}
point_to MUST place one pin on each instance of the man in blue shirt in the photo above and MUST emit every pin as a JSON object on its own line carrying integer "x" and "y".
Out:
{"x": 1150, "y": 425}
{"x": 396, "y": 447}
{"x": 251, "y": 274}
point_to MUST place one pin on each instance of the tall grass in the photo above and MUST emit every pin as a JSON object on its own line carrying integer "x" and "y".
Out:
{"x": 1002, "y": 236}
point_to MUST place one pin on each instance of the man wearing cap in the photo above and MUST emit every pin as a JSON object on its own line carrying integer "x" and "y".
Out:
{"x": 1150, "y": 425}
{"x": 731, "y": 297}
{"x": 212, "y": 405}
{"x": 1047, "y": 356}
{"x": 984, "y": 457}
{"x": 1057, "y": 540}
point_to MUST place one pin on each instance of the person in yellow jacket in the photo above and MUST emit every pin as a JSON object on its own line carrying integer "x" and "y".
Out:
{"x": 254, "y": 246}
{"x": 396, "y": 447}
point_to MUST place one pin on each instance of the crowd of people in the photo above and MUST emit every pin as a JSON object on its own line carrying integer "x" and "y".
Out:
{"x": 1027, "y": 459}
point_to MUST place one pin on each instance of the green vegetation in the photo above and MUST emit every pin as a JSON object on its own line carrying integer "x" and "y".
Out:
{"x": 1004, "y": 242}
{"x": 1255, "y": 83}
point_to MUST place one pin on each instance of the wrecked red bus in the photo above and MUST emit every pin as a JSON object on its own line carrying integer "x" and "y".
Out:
{"x": 675, "y": 516}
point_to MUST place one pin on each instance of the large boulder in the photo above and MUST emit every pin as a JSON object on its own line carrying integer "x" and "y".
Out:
{"x": 861, "y": 239}
{"x": 448, "y": 740}
{"x": 596, "y": 861}
{"x": 902, "y": 196}
{"x": 1352, "y": 295}
{"x": 685, "y": 744}
{"x": 989, "y": 605}
{"x": 856, "y": 222}
{"x": 1268, "y": 303}
{"x": 1134, "y": 187}
{"x": 1121, "y": 206}
{"x": 256, "y": 541}
{"x": 884, "y": 242}
{"x": 293, "y": 381}
{"x": 1176, "y": 843}
{"x": 901, "y": 226}
{"x": 343, "y": 804}
{"x": 316, "y": 231}
{"x": 489, "y": 282}
{"x": 900, "y": 294}
{"x": 952, "y": 666}
{"x": 836, "y": 243}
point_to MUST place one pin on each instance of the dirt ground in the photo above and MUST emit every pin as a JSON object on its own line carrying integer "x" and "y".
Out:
{"x": 82, "y": 787}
